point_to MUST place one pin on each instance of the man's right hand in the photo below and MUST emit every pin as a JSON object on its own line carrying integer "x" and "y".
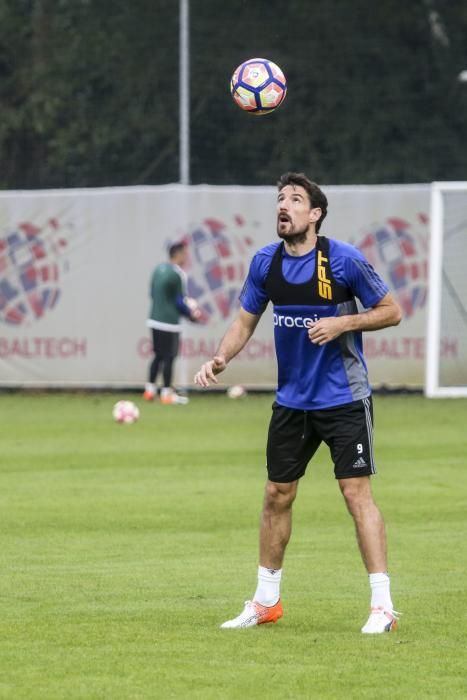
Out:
{"x": 195, "y": 311}
{"x": 207, "y": 373}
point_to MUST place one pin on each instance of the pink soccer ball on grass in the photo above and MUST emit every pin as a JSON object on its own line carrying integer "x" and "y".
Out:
{"x": 125, "y": 412}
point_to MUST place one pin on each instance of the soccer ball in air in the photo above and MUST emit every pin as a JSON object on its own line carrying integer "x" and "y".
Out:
{"x": 125, "y": 412}
{"x": 258, "y": 86}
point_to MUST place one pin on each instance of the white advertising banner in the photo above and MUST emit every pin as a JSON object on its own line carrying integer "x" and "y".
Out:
{"x": 75, "y": 267}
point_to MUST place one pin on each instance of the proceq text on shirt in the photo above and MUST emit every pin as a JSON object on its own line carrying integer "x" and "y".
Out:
{"x": 294, "y": 321}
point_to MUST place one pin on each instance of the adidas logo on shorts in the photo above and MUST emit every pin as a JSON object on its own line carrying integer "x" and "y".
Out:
{"x": 359, "y": 464}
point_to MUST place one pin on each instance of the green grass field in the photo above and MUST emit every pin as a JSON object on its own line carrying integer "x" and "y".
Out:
{"x": 124, "y": 547}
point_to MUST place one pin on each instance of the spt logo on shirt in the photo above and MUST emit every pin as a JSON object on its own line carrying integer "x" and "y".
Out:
{"x": 220, "y": 253}
{"x": 324, "y": 283}
{"x": 398, "y": 252}
{"x": 31, "y": 263}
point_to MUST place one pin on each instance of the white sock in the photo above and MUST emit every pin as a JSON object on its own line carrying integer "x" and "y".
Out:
{"x": 380, "y": 591}
{"x": 268, "y": 588}
{"x": 150, "y": 387}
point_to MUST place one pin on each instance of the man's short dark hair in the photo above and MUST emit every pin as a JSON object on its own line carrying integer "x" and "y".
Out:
{"x": 315, "y": 194}
{"x": 176, "y": 248}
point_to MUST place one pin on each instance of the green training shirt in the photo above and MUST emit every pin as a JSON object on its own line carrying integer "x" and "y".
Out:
{"x": 167, "y": 285}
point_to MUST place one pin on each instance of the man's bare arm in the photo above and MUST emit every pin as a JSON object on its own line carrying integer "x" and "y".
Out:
{"x": 385, "y": 313}
{"x": 235, "y": 339}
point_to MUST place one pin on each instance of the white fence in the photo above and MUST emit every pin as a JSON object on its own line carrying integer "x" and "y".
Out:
{"x": 75, "y": 268}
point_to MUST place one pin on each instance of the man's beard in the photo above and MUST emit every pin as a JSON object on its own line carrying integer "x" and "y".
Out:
{"x": 293, "y": 237}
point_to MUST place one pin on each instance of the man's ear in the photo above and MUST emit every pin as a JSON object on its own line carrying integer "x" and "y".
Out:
{"x": 315, "y": 214}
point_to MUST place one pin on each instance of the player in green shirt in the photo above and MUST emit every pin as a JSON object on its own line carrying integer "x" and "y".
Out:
{"x": 169, "y": 303}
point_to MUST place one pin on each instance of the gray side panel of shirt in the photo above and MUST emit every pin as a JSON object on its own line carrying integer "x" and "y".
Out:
{"x": 356, "y": 371}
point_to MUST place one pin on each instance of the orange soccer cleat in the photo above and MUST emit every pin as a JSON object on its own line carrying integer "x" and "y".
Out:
{"x": 255, "y": 614}
{"x": 169, "y": 397}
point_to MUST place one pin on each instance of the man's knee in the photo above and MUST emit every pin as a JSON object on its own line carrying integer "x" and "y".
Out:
{"x": 356, "y": 492}
{"x": 279, "y": 496}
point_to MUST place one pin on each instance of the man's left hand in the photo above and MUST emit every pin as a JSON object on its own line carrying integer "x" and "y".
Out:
{"x": 326, "y": 329}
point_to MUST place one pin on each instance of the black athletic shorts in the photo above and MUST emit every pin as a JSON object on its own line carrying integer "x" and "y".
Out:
{"x": 165, "y": 344}
{"x": 294, "y": 436}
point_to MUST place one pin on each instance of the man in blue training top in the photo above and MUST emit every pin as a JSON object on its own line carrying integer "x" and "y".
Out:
{"x": 323, "y": 391}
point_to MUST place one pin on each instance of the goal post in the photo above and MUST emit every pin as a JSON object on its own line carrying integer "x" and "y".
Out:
{"x": 446, "y": 332}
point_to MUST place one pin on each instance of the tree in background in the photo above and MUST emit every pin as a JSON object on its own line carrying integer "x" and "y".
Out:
{"x": 89, "y": 91}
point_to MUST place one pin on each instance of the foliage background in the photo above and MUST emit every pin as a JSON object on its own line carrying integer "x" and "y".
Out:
{"x": 89, "y": 91}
